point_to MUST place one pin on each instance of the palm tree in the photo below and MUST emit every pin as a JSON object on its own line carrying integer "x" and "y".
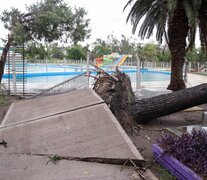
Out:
{"x": 181, "y": 18}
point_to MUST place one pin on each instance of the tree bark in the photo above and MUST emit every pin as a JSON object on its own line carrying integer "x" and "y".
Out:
{"x": 162, "y": 105}
{"x": 177, "y": 33}
{"x": 116, "y": 91}
{"x": 4, "y": 56}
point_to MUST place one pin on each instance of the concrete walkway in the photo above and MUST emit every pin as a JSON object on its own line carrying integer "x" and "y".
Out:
{"x": 78, "y": 124}
{"x": 50, "y": 105}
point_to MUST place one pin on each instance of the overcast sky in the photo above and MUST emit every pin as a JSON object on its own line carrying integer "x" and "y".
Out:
{"x": 107, "y": 17}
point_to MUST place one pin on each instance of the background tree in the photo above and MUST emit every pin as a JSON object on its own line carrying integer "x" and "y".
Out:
{"x": 56, "y": 52}
{"x": 35, "y": 51}
{"x": 78, "y": 30}
{"x": 100, "y": 47}
{"x": 125, "y": 45}
{"x": 163, "y": 54}
{"x": 128, "y": 46}
{"x": 181, "y": 18}
{"x": 148, "y": 52}
{"x": 46, "y": 20}
{"x": 76, "y": 52}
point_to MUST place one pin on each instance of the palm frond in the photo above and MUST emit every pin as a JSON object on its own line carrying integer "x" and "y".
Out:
{"x": 128, "y": 3}
{"x": 157, "y": 14}
{"x": 138, "y": 10}
{"x": 152, "y": 18}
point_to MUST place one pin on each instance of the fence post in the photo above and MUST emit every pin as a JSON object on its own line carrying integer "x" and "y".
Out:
{"x": 87, "y": 65}
{"x": 198, "y": 66}
{"x": 185, "y": 78}
{"x": 14, "y": 73}
{"x": 138, "y": 77}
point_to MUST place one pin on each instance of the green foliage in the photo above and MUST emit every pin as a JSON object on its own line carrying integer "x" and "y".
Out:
{"x": 162, "y": 173}
{"x": 35, "y": 51}
{"x": 56, "y": 52}
{"x": 54, "y": 159}
{"x": 148, "y": 52}
{"x": 112, "y": 44}
{"x": 47, "y": 20}
{"x": 2, "y": 94}
{"x": 196, "y": 55}
{"x": 163, "y": 55}
{"x": 76, "y": 52}
{"x": 128, "y": 46}
{"x": 100, "y": 48}
{"x": 157, "y": 15}
{"x": 79, "y": 30}
{"x": 10, "y": 18}
{"x": 38, "y": 51}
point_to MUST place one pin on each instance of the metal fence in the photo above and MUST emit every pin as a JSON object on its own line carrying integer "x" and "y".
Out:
{"x": 77, "y": 82}
{"x": 148, "y": 75}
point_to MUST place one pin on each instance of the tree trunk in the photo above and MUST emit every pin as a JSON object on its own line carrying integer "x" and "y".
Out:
{"x": 177, "y": 33}
{"x": 162, "y": 105}
{"x": 116, "y": 91}
{"x": 4, "y": 56}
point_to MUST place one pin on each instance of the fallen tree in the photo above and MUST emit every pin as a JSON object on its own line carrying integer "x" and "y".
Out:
{"x": 116, "y": 91}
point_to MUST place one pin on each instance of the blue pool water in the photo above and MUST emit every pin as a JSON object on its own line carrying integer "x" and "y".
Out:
{"x": 54, "y": 74}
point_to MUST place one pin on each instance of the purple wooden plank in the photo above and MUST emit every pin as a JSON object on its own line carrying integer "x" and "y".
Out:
{"x": 173, "y": 165}
{"x": 183, "y": 170}
{"x": 168, "y": 166}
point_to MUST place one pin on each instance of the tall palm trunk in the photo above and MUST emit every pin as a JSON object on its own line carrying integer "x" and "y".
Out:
{"x": 4, "y": 56}
{"x": 177, "y": 33}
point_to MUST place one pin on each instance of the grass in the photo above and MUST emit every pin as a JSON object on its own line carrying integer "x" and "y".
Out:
{"x": 2, "y": 95}
{"x": 3, "y": 100}
{"x": 202, "y": 73}
{"x": 162, "y": 173}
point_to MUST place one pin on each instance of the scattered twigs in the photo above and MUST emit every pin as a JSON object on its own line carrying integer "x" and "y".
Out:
{"x": 139, "y": 169}
{"x": 89, "y": 75}
{"x": 101, "y": 71}
{"x": 153, "y": 162}
{"x": 3, "y": 143}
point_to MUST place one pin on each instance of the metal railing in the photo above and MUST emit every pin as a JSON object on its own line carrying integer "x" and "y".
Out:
{"x": 76, "y": 82}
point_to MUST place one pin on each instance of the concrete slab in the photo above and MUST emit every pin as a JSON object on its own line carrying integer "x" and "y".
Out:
{"x": 24, "y": 167}
{"x": 150, "y": 92}
{"x": 204, "y": 118}
{"x": 204, "y": 129}
{"x": 78, "y": 124}
{"x": 195, "y": 108}
{"x": 185, "y": 129}
{"x": 87, "y": 132}
{"x": 33, "y": 109}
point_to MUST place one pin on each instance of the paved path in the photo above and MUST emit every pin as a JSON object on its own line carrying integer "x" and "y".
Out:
{"x": 50, "y": 105}
{"x": 78, "y": 124}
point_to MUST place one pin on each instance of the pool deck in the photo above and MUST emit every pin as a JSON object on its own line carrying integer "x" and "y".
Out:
{"x": 73, "y": 125}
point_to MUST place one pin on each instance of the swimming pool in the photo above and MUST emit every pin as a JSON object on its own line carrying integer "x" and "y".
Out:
{"x": 44, "y": 76}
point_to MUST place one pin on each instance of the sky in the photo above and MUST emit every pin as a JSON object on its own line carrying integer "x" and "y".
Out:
{"x": 106, "y": 17}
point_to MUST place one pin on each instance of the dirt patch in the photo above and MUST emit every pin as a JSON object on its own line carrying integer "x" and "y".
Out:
{"x": 151, "y": 132}
{"x": 5, "y": 102}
